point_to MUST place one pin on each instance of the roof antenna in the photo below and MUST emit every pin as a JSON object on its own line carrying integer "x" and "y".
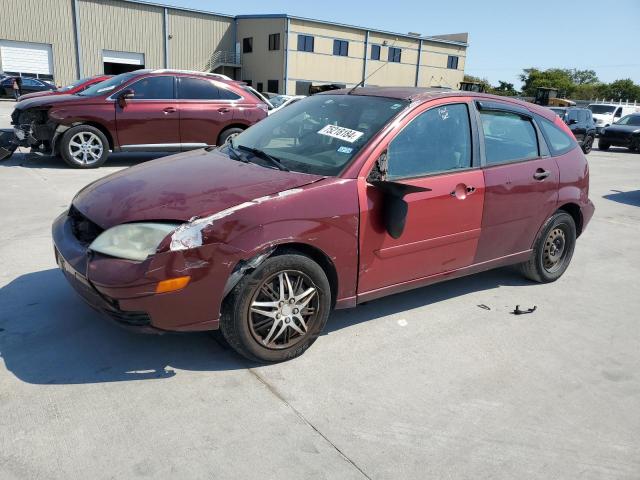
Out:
{"x": 362, "y": 82}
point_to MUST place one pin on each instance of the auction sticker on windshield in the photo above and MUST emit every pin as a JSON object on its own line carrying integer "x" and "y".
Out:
{"x": 341, "y": 133}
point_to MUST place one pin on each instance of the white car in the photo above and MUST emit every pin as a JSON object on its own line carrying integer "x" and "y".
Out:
{"x": 605, "y": 114}
{"x": 281, "y": 101}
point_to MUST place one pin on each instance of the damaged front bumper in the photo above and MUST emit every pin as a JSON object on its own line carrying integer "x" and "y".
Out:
{"x": 33, "y": 129}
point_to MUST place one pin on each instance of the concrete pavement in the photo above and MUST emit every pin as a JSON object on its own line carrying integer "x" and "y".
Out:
{"x": 423, "y": 384}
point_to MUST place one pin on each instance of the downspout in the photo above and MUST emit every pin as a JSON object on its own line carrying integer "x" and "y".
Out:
{"x": 418, "y": 63}
{"x": 364, "y": 65}
{"x": 286, "y": 57}
{"x": 166, "y": 38}
{"x": 76, "y": 34}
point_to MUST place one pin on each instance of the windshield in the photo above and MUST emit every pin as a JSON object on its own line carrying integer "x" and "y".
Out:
{"x": 74, "y": 84}
{"x": 602, "y": 109}
{"x": 107, "y": 86}
{"x": 279, "y": 100}
{"x": 559, "y": 111}
{"x": 631, "y": 120}
{"x": 322, "y": 133}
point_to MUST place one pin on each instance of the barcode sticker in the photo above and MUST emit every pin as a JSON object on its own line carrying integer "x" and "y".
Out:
{"x": 341, "y": 133}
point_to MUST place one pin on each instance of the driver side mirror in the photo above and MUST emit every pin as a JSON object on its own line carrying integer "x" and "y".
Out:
{"x": 394, "y": 208}
{"x": 124, "y": 96}
{"x": 572, "y": 121}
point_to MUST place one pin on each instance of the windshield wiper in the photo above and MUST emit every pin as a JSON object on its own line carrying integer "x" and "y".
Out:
{"x": 264, "y": 155}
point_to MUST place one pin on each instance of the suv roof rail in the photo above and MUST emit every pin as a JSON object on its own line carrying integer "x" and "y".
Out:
{"x": 194, "y": 72}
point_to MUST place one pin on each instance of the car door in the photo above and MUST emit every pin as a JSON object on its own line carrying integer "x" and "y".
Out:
{"x": 576, "y": 122}
{"x": 434, "y": 150}
{"x": 30, "y": 85}
{"x": 206, "y": 108}
{"x": 520, "y": 177}
{"x": 149, "y": 121}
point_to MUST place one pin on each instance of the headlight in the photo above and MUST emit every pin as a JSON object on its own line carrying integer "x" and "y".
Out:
{"x": 132, "y": 241}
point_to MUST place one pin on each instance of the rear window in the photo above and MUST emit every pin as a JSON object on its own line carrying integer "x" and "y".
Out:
{"x": 508, "y": 137}
{"x": 202, "y": 89}
{"x": 558, "y": 140}
{"x": 602, "y": 109}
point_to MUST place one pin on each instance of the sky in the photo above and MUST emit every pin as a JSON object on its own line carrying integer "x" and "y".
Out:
{"x": 504, "y": 36}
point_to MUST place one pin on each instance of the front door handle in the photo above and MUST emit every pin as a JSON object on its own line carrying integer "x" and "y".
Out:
{"x": 541, "y": 174}
{"x": 169, "y": 110}
{"x": 224, "y": 110}
{"x": 462, "y": 191}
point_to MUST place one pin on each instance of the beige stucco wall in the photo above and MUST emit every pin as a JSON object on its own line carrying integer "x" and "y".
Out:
{"x": 433, "y": 65}
{"x": 263, "y": 64}
{"x": 43, "y": 21}
{"x": 195, "y": 36}
{"x": 120, "y": 26}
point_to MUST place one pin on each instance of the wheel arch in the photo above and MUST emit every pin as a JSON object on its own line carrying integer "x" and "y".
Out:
{"x": 574, "y": 210}
{"x": 233, "y": 125}
{"x": 105, "y": 131}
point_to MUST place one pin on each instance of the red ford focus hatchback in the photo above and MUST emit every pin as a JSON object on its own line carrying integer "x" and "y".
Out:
{"x": 341, "y": 198}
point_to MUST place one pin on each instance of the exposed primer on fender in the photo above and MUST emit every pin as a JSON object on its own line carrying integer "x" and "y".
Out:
{"x": 189, "y": 235}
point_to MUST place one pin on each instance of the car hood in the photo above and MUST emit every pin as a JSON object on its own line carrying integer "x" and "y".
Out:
{"x": 43, "y": 93}
{"x": 49, "y": 100}
{"x": 180, "y": 187}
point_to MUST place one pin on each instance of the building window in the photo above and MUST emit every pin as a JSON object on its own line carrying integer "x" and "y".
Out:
{"x": 341, "y": 48}
{"x": 248, "y": 82}
{"x": 305, "y": 43}
{"x": 247, "y": 45}
{"x": 452, "y": 62}
{"x": 272, "y": 86}
{"x": 302, "y": 88}
{"x": 394, "y": 54}
{"x": 259, "y": 87}
{"x": 274, "y": 41}
{"x": 375, "y": 52}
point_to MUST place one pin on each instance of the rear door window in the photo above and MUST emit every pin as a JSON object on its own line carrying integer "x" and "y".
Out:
{"x": 557, "y": 140}
{"x": 508, "y": 137}
{"x": 201, "y": 89}
{"x": 153, "y": 88}
{"x": 438, "y": 140}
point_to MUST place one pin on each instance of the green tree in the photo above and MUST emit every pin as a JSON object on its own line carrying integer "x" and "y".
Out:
{"x": 505, "y": 88}
{"x": 584, "y": 77}
{"x": 623, "y": 89}
{"x": 557, "y": 78}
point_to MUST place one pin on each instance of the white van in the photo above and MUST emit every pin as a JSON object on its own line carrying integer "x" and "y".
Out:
{"x": 604, "y": 114}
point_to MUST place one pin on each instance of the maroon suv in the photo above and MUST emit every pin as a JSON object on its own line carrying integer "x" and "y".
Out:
{"x": 339, "y": 199}
{"x": 145, "y": 110}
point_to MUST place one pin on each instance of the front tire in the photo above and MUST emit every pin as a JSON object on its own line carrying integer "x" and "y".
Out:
{"x": 553, "y": 249}
{"x": 278, "y": 310}
{"x": 228, "y": 133}
{"x": 603, "y": 145}
{"x": 84, "y": 146}
{"x": 587, "y": 145}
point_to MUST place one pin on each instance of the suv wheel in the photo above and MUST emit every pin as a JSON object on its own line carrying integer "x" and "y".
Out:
{"x": 587, "y": 145}
{"x": 227, "y": 134}
{"x": 84, "y": 147}
{"x": 603, "y": 145}
{"x": 278, "y": 310}
{"x": 553, "y": 249}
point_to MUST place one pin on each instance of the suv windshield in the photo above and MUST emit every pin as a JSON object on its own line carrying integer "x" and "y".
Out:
{"x": 602, "y": 109}
{"x": 320, "y": 134}
{"x": 631, "y": 120}
{"x": 108, "y": 85}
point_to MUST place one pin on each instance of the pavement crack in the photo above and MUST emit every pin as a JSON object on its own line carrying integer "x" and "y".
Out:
{"x": 307, "y": 422}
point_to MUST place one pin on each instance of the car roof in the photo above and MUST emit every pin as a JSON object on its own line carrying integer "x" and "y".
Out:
{"x": 423, "y": 94}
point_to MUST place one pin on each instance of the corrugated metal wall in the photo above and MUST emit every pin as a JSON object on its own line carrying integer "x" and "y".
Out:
{"x": 120, "y": 26}
{"x": 43, "y": 21}
{"x": 195, "y": 36}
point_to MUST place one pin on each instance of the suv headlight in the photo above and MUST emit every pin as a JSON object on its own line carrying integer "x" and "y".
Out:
{"x": 132, "y": 241}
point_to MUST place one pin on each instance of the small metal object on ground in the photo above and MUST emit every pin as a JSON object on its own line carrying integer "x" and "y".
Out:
{"x": 485, "y": 307}
{"x": 517, "y": 311}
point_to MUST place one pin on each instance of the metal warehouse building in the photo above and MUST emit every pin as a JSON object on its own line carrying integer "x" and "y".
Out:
{"x": 65, "y": 40}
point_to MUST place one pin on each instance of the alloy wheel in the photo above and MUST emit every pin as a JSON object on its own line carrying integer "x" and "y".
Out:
{"x": 283, "y": 309}
{"x": 85, "y": 148}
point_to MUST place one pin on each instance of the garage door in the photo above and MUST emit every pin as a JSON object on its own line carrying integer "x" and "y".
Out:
{"x": 121, "y": 62}
{"x": 31, "y": 59}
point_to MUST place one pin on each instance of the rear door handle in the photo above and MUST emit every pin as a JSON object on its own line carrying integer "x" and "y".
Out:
{"x": 541, "y": 174}
{"x": 224, "y": 110}
{"x": 169, "y": 110}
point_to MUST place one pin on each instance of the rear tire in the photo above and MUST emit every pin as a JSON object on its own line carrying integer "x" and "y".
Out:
{"x": 603, "y": 145}
{"x": 84, "y": 147}
{"x": 228, "y": 133}
{"x": 553, "y": 249}
{"x": 278, "y": 310}
{"x": 587, "y": 144}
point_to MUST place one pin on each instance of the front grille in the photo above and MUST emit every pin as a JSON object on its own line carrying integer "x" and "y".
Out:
{"x": 83, "y": 229}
